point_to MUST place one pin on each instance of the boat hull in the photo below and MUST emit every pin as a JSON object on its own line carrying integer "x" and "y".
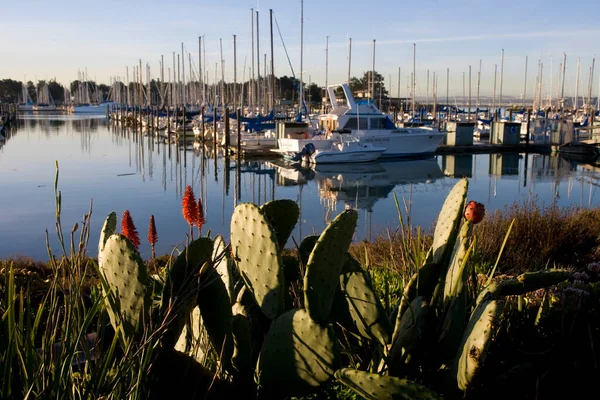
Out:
{"x": 400, "y": 144}
{"x": 340, "y": 157}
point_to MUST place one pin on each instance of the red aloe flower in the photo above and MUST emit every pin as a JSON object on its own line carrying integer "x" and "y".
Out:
{"x": 189, "y": 208}
{"x": 200, "y": 220}
{"x": 152, "y": 235}
{"x": 128, "y": 229}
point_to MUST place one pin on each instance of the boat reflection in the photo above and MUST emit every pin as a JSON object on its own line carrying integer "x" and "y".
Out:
{"x": 359, "y": 185}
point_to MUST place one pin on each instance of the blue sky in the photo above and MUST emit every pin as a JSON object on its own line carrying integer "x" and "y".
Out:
{"x": 48, "y": 39}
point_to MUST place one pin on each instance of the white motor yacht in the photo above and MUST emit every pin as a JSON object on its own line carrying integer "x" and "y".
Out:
{"x": 366, "y": 123}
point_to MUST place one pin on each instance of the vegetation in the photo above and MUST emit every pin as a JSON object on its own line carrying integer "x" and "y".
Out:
{"x": 408, "y": 317}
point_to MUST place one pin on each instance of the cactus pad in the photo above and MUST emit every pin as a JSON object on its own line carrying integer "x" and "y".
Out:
{"x": 526, "y": 282}
{"x": 181, "y": 288}
{"x": 297, "y": 356}
{"x": 325, "y": 265}
{"x": 421, "y": 284}
{"x": 306, "y": 247}
{"x": 448, "y": 221}
{"x": 192, "y": 340}
{"x": 283, "y": 216}
{"x": 109, "y": 227}
{"x": 356, "y": 299}
{"x": 215, "y": 309}
{"x": 377, "y": 387}
{"x": 221, "y": 262}
{"x": 476, "y": 341}
{"x": 457, "y": 273}
{"x": 127, "y": 278}
{"x": 242, "y": 344}
{"x": 411, "y": 334}
{"x": 254, "y": 244}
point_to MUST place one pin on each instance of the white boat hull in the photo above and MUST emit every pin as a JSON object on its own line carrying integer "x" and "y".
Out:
{"x": 403, "y": 142}
{"x": 296, "y": 145}
{"x": 340, "y": 157}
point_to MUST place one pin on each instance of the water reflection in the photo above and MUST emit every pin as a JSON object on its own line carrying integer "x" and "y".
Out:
{"x": 123, "y": 169}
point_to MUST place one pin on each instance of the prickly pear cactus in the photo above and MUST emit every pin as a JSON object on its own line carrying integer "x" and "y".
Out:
{"x": 181, "y": 288}
{"x": 127, "y": 277}
{"x": 221, "y": 262}
{"x": 526, "y": 282}
{"x": 242, "y": 344}
{"x": 297, "y": 356}
{"x": 109, "y": 227}
{"x": 421, "y": 284}
{"x": 448, "y": 221}
{"x": 377, "y": 387}
{"x": 457, "y": 273}
{"x": 325, "y": 265}
{"x": 358, "y": 305}
{"x": 306, "y": 247}
{"x": 476, "y": 342}
{"x": 254, "y": 245}
{"x": 283, "y": 216}
{"x": 192, "y": 340}
{"x": 215, "y": 309}
{"x": 411, "y": 335}
{"x": 454, "y": 321}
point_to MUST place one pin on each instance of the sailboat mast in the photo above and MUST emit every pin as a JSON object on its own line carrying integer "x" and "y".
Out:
{"x": 501, "y": 76}
{"x": 258, "y": 101}
{"x": 373, "y": 75}
{"x": 235, "y": 75}
{"x": 252, "y": 53}
{"x": 525, "y": 84}
{"x": 183, "y": 74}
{"x": 272, "y": 61}
{"x": 301, "y": 54}
{"x": 414, "y": 80}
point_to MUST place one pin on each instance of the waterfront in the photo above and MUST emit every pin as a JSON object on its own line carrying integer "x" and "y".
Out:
{"x": 121, "y": 170}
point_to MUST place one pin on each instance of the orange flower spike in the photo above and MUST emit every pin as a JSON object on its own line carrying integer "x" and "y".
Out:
{"x": 152, "y": 235}
{"x": 188, "y": 206}
{"x": 200, "y": 220}
{"x": 128, "y": 229}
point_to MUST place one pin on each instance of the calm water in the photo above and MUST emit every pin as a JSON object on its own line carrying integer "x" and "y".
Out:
{"x": 120, "y": 170}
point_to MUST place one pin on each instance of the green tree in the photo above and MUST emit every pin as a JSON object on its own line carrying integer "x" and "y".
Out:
{"x": 10, "y": 91}
{"x": 314, "y": 94}
{"x": 32, "y": 91}
{"x": 56, "y": 91}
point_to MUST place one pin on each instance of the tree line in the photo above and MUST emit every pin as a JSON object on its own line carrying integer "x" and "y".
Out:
{"x": 285, "y": 88}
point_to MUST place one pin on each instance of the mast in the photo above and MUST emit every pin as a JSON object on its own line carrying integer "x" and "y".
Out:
{"x": 589, "y": 100}
{"x": 258, "y": 98}
{"x": 576, "y": 102}
{"x": 478, "y": 87}
{"x": 301, "y": 55}
{"x": 501, "y": 76}
{"x": 373, "y": 75}
{"x": 494, "y": 95}
{"x": 251, "y": 84}
{"x": 183, "y": 74}
{"x": 399, "y": 100}
{"x": 272, "y": 61}
{"x": 469, "y": 110}
{"x": 525, "y": 85}
{"x": 235, "y": 75}
{"x": 562, "y": 84}
{"x": 414, "y": 80}
{"x": 200, "y": 67}
{"x": 327, "y": 72}
{"x": 222, "y": 74}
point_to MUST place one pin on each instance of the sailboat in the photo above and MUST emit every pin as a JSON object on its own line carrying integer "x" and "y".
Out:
{"x": 25, "y": 103}
{"x": 44, "y": 100}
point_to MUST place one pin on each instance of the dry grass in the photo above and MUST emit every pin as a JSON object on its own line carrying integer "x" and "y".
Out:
{"x": 541, "y": 236}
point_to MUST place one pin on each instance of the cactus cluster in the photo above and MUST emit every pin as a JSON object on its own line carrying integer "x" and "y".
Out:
{"x": 237, "y": 299}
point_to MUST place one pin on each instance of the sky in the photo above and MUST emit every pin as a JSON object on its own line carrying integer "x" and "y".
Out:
{"x": 56, "y": 39}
